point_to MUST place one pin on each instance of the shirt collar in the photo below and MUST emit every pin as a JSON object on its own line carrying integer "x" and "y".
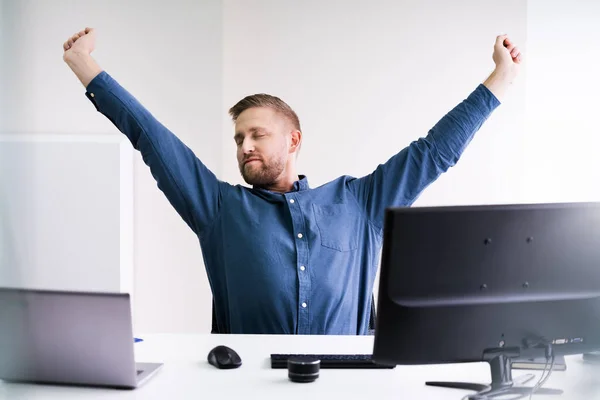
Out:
{"x": 301, "y": 184}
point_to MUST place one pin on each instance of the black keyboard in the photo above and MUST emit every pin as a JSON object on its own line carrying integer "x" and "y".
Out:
{"x": 331, "y": 360}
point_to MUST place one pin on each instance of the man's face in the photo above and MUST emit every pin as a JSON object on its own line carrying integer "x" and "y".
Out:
{"x": 261, "y": 137}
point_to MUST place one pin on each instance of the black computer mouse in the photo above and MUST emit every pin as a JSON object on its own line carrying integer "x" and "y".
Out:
{"x": 223, "y": 357}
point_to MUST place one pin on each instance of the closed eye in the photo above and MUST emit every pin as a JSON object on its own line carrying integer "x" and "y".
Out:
{"x": 257, "y": 133}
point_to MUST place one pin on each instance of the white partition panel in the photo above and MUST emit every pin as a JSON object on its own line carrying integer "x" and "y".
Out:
{"x": 66, "y": 212}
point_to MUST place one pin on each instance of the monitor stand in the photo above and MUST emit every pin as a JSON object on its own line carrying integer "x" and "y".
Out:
{"x": 503, "y": 384}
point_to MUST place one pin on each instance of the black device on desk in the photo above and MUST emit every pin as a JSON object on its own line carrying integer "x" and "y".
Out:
{"x": 489, "y": 283}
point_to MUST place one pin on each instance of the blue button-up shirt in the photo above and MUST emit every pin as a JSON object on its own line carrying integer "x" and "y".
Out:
{"x": 303, "y": 262}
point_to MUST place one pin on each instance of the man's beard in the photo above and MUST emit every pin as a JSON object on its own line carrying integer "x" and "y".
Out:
{"x": 261, "y": 173}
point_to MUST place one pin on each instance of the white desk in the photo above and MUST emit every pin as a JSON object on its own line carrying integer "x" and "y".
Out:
{"x": 187, "y": 375}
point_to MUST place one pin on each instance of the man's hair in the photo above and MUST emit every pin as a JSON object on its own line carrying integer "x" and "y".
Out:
{"x": 265, "y": 100}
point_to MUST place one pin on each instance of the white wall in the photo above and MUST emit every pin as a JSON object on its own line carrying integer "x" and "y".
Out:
{"x": 66, "y": 212}
{"x": 563, "y": 138}
{"x": 366, "y": 78}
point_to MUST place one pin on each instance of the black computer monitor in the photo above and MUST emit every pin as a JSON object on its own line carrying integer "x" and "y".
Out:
{"x": 488, "y": 283}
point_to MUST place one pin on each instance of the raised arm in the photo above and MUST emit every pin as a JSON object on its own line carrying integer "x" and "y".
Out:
{"x": 191, "y": 188}
{"x": 400, "y": 180}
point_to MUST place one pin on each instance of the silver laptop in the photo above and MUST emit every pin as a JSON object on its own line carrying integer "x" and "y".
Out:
{"x": 72, "y": 338}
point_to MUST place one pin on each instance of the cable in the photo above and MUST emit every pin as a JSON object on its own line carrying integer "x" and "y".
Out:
{"x": 549, "y": 359}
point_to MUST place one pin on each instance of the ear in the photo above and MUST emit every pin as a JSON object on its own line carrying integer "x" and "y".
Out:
{"x": 296, "y": 141}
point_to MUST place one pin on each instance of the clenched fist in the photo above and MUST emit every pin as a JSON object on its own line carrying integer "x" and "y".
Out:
{"x": 77, "y": 55}
{"x": 506, "y": 53}
{"x": 508, "y": 59}
{"x": 82, "y": 42}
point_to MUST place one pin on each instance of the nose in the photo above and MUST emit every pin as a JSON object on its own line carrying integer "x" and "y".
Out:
{"x": 247, "y": 146}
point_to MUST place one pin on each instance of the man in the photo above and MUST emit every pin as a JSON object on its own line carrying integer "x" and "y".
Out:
{"x": 283, "y": 258}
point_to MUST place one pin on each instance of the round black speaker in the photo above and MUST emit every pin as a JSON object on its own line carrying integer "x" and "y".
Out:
{"x": 303, "y": 369}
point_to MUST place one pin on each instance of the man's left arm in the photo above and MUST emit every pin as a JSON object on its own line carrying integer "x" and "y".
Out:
{"x": 401, "y": 180}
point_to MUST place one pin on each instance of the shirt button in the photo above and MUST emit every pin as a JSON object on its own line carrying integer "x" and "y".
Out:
{"x": 292, "y": 201}
{"x": 302, "y": 268}
{"x": 92, "y": 94}
{"x": 299, "y": 236}
{"x": 303, "y": 305}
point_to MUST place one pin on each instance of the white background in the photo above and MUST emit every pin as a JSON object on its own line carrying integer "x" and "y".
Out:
{"x": 365, "y": 77}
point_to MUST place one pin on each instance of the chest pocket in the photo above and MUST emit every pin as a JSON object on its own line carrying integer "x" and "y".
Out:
{"x": 339, "y": 226}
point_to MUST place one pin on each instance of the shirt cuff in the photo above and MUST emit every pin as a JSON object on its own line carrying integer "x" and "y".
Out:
{"x": 97, "y": 87}
{"x": 484, "y": 99}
